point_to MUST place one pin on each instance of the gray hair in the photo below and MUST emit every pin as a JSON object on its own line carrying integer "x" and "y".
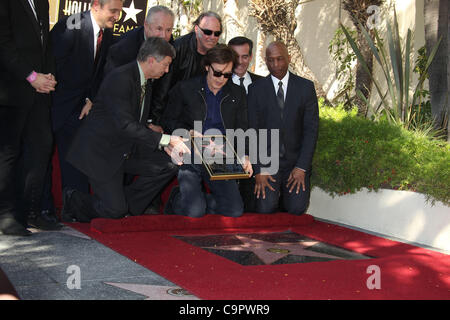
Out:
{"x": 208, "y": 14}
{"x": 103, "y": 2}
{"x": 156, "y": 9}
{"x": 157, "y": 48}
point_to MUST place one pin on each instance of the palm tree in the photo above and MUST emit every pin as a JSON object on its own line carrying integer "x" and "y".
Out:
{"x": 277, "y": 17}
{"x": 437, "y": 25}
{"x": 359, "y": 15}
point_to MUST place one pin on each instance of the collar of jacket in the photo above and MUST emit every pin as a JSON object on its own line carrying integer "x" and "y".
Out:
{"x": 203, "y": 84}
{"x": 193, "y": 42}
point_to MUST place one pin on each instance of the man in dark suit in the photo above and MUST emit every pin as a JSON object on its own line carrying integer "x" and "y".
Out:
{"x": 80, "y": 45}
{"x": 25, "y": 130}
{"x": 158, "y": 23}
{"x": 242, "y": 77}
{"x": 103, "y": 148}
{"x": 288, "y": 103}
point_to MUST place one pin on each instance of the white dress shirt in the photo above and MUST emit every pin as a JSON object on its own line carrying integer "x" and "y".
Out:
{"x": 96, "y": 29}
{"x": 247, "y": 80}
{"x": 285, "y": 81}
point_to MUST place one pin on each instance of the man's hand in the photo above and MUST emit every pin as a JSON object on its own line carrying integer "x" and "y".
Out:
{"x": 177, "y": 149}
{"x": 296, "y": 180}
{"x": 44, "y": 83}
{"x": 85, "y": 111}
{"x": 156, "y": 128}
{"x": 262, "y": 181}
{"x": 195, "y": 134}
{"x": 248, "y": 166}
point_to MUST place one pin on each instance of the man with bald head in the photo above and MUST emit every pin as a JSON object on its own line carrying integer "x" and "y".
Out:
{"x": 286, "y": 102}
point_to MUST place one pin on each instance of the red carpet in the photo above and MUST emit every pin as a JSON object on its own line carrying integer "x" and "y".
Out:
{"x": 406, "y": 271}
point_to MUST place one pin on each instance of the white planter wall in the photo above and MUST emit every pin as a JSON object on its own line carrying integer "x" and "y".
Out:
{"x": 400, "y": 214}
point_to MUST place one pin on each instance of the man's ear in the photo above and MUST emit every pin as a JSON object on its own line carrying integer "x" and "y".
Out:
{"x": 151, "y": 60}
{"x": 207, "y": 69}
{"x": 95, "y": 5}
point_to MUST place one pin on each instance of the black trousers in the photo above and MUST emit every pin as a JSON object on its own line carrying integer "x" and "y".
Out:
{"x": 25, "y": 150}
{"x": 114, "y": 199}
{"x": 281, "y": 199}
{"x": 71, "y": 177}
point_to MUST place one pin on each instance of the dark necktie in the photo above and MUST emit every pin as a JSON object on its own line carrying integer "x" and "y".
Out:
{"x": 141, "y": 101}
{"x": 280, "y": 97}
{"x": 280, "y": 100}
{"x": 241, "y": 82}
{"x": 99, "y": 44}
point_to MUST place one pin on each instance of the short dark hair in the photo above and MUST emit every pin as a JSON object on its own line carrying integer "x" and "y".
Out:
{"x": 239, "y": 41}
{"x": 156, "y": 47}
{"x": 221, "y": 54}
{"x": 208, "y": 14}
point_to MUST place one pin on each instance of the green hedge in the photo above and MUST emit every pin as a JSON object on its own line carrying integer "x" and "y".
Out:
{"x": 354, "y": 153}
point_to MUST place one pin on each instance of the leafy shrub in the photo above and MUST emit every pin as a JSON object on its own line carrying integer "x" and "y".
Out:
{"x": 354, "y": 153}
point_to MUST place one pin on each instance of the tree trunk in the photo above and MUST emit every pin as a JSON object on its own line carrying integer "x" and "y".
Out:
{"x": 299, "y": 66}
{"x": 231, "y": 19}
{"x": 437, "y": 25}
{"x": 363, "y": 81}
{"x": 260, "y": 64}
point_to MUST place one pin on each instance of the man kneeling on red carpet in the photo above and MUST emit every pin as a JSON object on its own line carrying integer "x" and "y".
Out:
{"x": 104, "y": 146}
{"x": 218, "y": 104}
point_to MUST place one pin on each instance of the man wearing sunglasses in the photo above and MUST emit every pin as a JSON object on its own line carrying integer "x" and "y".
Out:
{"x": 190, "y": 49}
{"x": 218, "y": 104}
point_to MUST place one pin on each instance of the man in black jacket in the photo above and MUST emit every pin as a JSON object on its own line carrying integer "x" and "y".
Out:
{"x": 218, "y": 105}
{"x": 25, "y": 84}
{"x": 103, "y": 148}
{"x": 190, "y": 49}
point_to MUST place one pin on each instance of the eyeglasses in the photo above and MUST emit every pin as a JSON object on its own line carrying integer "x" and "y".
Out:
{"x": 210, "y": 32}
{"x": 218, "y": 74}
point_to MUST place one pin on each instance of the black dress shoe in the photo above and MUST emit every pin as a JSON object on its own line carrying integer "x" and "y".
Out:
{"x": 152, "y": 209}
{"x": 67, "y": 214}
{"x": 9, "y": 226}
{"x": 43, "y": 222}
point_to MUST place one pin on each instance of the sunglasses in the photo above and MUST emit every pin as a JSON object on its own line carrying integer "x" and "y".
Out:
{"x": 210, "y": 32}
{"x": 218, "y": 74}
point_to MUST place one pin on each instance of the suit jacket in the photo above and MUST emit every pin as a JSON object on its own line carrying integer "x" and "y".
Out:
{"x": 299, "y": 124}
{"x": 112, "y": 130}
{"x": 21, "y": 50}
{"x": 125, "y": 50}
{"x": 186, "y": 65}
{"x": 254, "y": 76}
{"x": 77, "y": 75}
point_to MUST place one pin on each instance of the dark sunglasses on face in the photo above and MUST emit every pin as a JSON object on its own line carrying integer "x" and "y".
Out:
{"x": 210, "y": 32}
{"x": 218, "y": 74}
